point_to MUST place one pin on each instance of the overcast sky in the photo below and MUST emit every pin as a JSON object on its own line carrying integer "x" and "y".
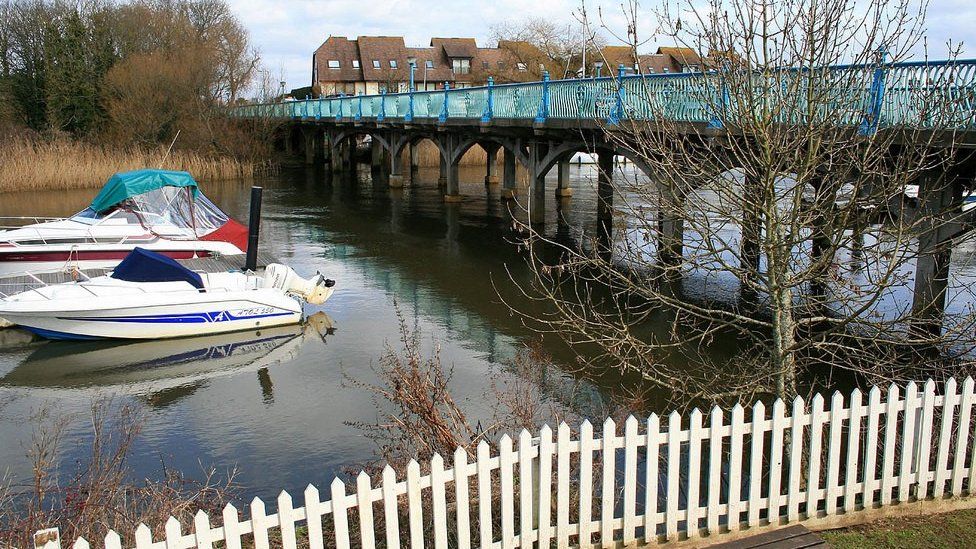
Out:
{"x": 286, "y": 33}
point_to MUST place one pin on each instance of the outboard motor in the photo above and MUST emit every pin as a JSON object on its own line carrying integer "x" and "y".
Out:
{"x": 315, "y": 290}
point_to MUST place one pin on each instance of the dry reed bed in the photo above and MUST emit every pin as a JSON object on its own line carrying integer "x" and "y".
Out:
{"x": 27, "y": 165}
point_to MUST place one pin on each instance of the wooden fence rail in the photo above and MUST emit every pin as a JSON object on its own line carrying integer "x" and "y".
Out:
{"x": 651, "y": 481}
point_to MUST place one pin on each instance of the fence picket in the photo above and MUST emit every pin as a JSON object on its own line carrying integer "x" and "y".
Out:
{"x": 562, "y": 486}
{"x": 924, "y": 441}
{"x": 796, "y": 460}
{"x": 143, "y": 537}
{"x": 484, "y": 496}
{"x": 949, "y": 401}
{"x": 962, "y": 436}
{"x": 756, "y": 462}
{"x": 313, "y": 517}
{"x": 608, "y": 478}
{"x": 695, "y": 433}
{"x": 907, "y": 443}
{"x": 81, "y": 543}
{"x": 853, "y": 449}
{"x": 544, "y": 479}
{"x": 585, "y": 483}
{"x": 391, "y": 508}
{"x": 507, "y": 471}
{"x": 832, "y": 483}
{"x": 438, "y": 500}
{"x": 232, "y": 527}
{"x": 260, "y": 524}
{"x": 340, "y": 515}
{"x": 364, "y": 506}
{"x": 890, "y": 438}
{"x": 527, "y": 489}
{"x": 630, "y": 481}
{"x": 714, "y": 469}
{"x": 174, "y": 533}
{"x": 815, "y": 457}
{"x": 203, "y": 536}
{"x": 462, "y": 512}
{"x": 869, "y": 473}
{"x": 286, "y": 521}
{"x": 674, "y": 468}
{"x": 415, "y": 505}
{"x": 651, "y": 477}
{"x": 776, "y": 461}
{"x": 737, "y": 431}
{"x": 114, "y": 541}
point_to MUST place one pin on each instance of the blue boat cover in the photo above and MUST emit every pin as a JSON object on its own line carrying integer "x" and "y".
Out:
{"x": 128, "y": 184}
{"x": 142, "y": 265}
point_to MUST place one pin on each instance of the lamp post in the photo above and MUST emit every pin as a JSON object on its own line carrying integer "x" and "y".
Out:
{"x": 599, "y": 67}
{"x": 412, "y": 61}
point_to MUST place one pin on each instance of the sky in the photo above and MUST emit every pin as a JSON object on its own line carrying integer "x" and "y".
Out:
{"x": 286, "y": 33}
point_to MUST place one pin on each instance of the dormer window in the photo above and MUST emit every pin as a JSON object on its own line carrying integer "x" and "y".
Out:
{"x": 333, "y": 63}
{"x": 376, "y": 64}
{"x": 521, "y": 67}
{"x": 355, "y": 63}
{"x": 461, "y": 66}
{"x": 393, "y": 64}
{"x": 429, "y": 64}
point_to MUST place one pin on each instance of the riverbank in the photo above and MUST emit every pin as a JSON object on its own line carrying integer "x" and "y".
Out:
{"x": 28, "y": 164}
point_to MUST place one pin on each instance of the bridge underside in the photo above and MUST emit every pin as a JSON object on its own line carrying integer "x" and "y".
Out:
{"x": 542, "y": 148}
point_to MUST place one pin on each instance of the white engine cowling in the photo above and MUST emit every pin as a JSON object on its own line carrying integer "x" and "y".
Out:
{"x": 315, "y": 290}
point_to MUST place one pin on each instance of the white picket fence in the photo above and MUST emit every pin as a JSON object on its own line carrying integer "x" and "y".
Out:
{"x": 574, "y": 489}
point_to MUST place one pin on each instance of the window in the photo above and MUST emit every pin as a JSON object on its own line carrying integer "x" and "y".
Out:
{"x": 355, "y": 63}
{"x": 461, "y": 66}
{"x": 393, "y": 64}
{"x": 521, "y": 67}
{"x": 376, "y": 63}
{"x": 429, "y": 64}
{"x": 333, "y": 63}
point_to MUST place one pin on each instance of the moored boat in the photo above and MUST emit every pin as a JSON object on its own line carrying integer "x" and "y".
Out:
{"x": 160, "y": 210}
{"x": 150, "y": 296}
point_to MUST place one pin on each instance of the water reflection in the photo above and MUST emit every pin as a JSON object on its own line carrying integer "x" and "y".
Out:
{"x": 166, "y": 371}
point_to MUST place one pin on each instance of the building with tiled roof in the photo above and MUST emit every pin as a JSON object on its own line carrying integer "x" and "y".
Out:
{"x": 373, "y": 64}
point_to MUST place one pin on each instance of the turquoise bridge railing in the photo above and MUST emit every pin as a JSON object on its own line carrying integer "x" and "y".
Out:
{"x": 930, "y": 95}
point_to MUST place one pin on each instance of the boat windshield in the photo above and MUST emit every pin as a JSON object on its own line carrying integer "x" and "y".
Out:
{"x": 88, "y": 216}
{"x": 175, "y": 211}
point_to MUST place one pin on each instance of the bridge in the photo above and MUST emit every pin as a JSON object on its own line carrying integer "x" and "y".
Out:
{"x": 541, "y": 125}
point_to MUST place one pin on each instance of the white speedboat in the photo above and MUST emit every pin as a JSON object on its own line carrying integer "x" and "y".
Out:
{"x": 159, "y": 210}
{"x": 150, "y": 296}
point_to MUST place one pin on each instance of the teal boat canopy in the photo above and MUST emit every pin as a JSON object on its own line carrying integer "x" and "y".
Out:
{"x": 125, "y": 185}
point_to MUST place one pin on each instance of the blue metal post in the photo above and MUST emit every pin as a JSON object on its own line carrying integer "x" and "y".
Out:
{"x": 444, "y": 112}
{"x": 338, "y": 114}
{"x": 486, "y": 116}
{"x": 359, "y": 112}
{"x": 410, "y": 92}
{"x": 873, "y": 115}
{"x": 618, "y": 111}
{"x": 382, "y": 113}
{"x": 723, "y": 101}
{"x": 543, "y": 113}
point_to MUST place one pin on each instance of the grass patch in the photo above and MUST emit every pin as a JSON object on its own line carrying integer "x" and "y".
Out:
{"x": 955, "y": 529}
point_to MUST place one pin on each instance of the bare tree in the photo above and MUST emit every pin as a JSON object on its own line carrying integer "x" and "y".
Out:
{"x": 788, "y": 224}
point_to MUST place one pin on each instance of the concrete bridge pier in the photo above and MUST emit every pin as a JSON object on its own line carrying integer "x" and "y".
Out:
{"x": 377, "y": 154}
{"x": 442, "y": 177}
{"x": 537, "y": 203}
{"x": 414, "y": 158}
{"x": 312, "y": 145}
{"x": 563, "y": 190}
{"x": 396, "y": 171}
{"x": 670, "y": 227}
{"x": 604, "y": 203}
{"x": 509, "y": 177}
{"x": 938, "y": 192}
{"x": 335, "y": 155}
{"x": 491, "y": 167}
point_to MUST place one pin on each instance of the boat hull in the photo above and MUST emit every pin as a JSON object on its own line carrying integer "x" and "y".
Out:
{"x": 256, "y": 310}
{"x": 19, "y": 260}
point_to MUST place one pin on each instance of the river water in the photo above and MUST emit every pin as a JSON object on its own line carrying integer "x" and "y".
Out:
{"x": 285, "y": 406}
